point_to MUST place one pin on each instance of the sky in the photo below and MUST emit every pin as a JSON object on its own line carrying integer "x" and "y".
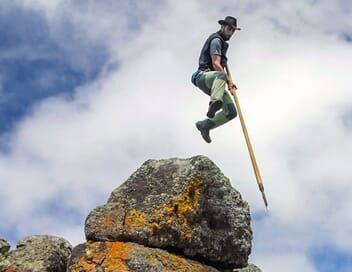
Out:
{"x": 89, "y": 90}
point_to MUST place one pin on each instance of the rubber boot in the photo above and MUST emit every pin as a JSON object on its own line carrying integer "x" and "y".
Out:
{"x": 204, "y": 127}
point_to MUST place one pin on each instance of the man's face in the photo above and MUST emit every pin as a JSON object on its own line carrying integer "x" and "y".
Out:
{"x": 227, "y": 31}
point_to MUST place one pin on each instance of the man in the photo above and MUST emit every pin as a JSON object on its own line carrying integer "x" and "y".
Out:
{"x": 211, "y": 78}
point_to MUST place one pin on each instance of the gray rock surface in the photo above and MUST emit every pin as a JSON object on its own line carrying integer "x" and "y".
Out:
{"x": 4, "y": 246}
{"x": 38, "y": 253}
{"x": 4, "y": 249}
{"x": 185, "y": 205}
{"x": 249, "y": 268}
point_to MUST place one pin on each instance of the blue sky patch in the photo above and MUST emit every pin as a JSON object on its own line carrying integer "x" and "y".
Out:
{"x": 347, "y": 37}
{"x": 327, "y": 259}
{"x": 33, "y": 66}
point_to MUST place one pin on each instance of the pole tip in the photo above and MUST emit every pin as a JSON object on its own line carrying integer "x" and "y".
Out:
{"x": 265, "y": 201}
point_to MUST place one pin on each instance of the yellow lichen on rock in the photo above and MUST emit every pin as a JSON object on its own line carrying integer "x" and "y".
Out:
{"x": 189, "y": 201}
{"x": 117, "y": 256}
{"x": 135, "y": 220}
{"x": 173, "y": 213}
{"x": 123, "y": 256}
{"x": 111, "y": 256}
{"x": 87, "y": 262}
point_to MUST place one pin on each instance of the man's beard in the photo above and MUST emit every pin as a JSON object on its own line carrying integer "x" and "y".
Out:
{"x": 223, "y": 36}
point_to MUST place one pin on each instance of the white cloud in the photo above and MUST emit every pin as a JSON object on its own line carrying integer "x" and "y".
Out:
{"x": 292, "y": 70}
{"x": 285, "y": 262}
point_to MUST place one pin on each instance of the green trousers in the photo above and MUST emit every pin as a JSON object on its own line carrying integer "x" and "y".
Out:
{"x": 213, "y": 83}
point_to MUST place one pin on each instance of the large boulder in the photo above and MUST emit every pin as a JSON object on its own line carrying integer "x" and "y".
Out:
{"x": 129, "y": 257}
{"x": 37, "y": 254}
{"x": 184, "y": 205}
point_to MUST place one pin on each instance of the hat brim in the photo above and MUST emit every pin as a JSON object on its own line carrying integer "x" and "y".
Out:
{"x": 223, "y": 22}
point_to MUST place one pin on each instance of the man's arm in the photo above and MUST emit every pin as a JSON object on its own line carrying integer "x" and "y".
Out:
{"x": 215, "y": 52}
{"x": 216, "y": 60}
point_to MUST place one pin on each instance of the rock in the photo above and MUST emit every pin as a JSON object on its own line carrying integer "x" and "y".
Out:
{"x": 4, "y": 249}
{"x": 129, "y": 257}
{"x": 249, "y": 268}
{"x": 4, "y": 246}
{"x": 184, "y": 205}
{"x": 37, "y": 254}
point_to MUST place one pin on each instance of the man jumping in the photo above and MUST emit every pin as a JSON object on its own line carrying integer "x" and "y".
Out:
{"x": 211, "y": 78}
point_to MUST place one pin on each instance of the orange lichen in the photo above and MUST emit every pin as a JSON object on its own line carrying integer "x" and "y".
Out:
{"x": 110, "y": 218}
{"x": 175, "y": 212}
{"x": 112, "y": 258}
{"x": 172, "y": 213}
{"x": 116, "y": 254}
{"x": 90, "y": 259}
{"x": 135, "y": 220}
{"x": 9, "y": 268}
{"x": 116, "y": 257}
{"x": 93, "y": 253}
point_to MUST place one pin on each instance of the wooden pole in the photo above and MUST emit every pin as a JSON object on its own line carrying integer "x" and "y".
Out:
{"x": 249, "y": 145}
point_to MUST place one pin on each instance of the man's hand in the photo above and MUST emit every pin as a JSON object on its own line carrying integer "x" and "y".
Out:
{"x": 232, "y": 87}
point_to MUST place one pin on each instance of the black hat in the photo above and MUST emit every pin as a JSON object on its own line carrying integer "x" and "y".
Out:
{"x": 229, "y": 20}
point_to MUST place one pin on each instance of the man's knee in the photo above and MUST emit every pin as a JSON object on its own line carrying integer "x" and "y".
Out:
{"x": 221, "y": 75}
{"x": 232, "y": 113}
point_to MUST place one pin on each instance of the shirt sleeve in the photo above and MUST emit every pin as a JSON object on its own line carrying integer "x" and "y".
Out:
{"x": 215, "y": 47}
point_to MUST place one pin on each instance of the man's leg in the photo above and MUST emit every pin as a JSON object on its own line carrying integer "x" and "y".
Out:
{"x": 205, "y": 82}
{"x": 213, "y": 83}
{"x": 216, "y": 81}
{"x": 228, "y": 112}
